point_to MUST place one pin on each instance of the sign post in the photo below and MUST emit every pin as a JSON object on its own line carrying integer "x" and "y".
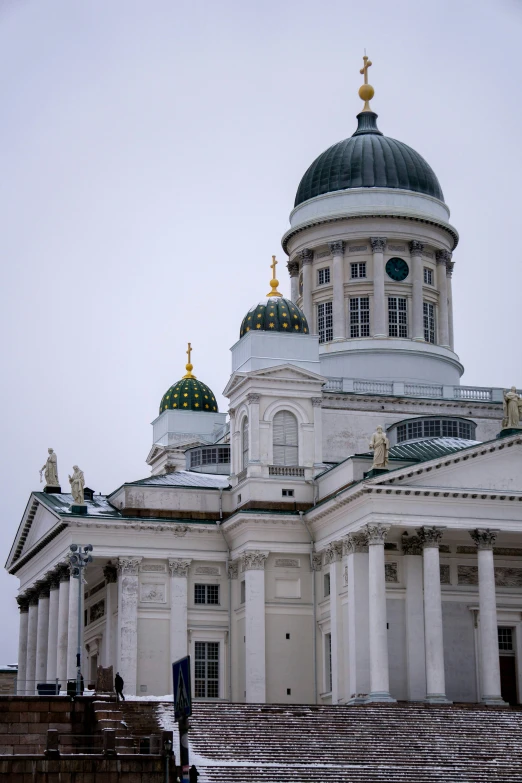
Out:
{"x": 183, "y": 709}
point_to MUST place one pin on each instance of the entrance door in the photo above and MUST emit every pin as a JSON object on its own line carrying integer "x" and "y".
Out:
{"x": 508, "y": 672}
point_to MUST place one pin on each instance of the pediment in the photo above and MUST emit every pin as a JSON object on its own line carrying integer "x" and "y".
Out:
{"x": 490, "y": 466}
{"x": 279, "y": 373}
{"x": 37, "y": 522}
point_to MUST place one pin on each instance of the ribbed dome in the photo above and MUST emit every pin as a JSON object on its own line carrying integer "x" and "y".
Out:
{"x": 368, "y": 160}
{"x": 275, "y": 314}
{"x": 189, "y": 394}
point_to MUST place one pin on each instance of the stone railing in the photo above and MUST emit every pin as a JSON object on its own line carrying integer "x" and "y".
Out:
{"x": 374, "y": 387}
{"x": 241, "y": 475}
{"x": 286, "y": 470}
{"x": 402, "y": 389}
{"x": 422, "y": 390}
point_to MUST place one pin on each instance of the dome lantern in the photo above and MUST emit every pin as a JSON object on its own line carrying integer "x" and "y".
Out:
{"x": 189, "y": 394}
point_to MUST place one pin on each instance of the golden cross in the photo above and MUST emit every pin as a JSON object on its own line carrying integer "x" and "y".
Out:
{"x": 365, "y": 67}
{"x": 273, "y": 267}
{"x": 189, "y": 351}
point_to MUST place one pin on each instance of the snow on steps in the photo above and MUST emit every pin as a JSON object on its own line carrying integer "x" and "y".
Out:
{"x": 400, "y": 743}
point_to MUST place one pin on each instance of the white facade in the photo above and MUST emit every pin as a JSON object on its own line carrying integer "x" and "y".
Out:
{"x": 302, "y": 575}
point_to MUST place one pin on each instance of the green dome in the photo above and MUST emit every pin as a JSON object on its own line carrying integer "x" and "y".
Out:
{"x": 275, "y": 314}
{"x": 189, "y": 394}
{"x": 368, "y": 160}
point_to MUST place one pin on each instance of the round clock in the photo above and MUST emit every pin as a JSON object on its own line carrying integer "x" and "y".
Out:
{"x": 397, "y": 269}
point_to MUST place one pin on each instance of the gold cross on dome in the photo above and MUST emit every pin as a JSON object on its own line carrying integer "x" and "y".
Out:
{"x": 189, "y": 351}
{"x": 274, "y": 281}
{"x": 364, "y": 69}
{"x": 273, "y": 267}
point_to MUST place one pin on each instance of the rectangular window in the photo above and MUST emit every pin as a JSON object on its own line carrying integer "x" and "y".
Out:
{"x": 432, "y": 428}
{"x": 360, "y": 316}
{"x": 287, "y": 493}
{"x": 397, "y": 317}
{"x": 325, "y": 322}
{"x": 243, "y": 592}
{"x": 328, "y": 660}
{"x": 326, "y": 585}
{"x": 429, "y": 321}
{"x": 505, "y": 639}
{"x": 450, "y": 429}
{"x": 428, "y": 276}
{"x": 358, "y": 270}
{"x": 465, "y": 430}
{"x": 206, "y": 594}
{"x": 323, "y": 276}
{"x": 206, "y": 671}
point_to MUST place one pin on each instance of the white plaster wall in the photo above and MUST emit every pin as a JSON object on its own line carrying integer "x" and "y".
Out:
{"x": 153, "y": 656}
{"x": 396, "y": 618}
{"x": 289, "y": 662}
{"x": 459, "y": 652}
{"x": 256, "y": 351}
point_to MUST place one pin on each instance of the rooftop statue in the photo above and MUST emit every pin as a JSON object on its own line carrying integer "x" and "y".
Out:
{"x": 380, "y": 445}
{"x": 50, "y": 470}
{"x": 512, "y": 409}
{"x": 77, "y": 482}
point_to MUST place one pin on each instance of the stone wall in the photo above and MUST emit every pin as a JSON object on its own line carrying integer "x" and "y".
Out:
{"x": 71, "y": 770}
{"x": 24, "y": 721}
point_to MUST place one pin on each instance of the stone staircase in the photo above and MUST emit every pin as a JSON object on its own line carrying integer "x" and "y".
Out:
{"x": 396, "y": 743}
{"x": 133, "y": 721}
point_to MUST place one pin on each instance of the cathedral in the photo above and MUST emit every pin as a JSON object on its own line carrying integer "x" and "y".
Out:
{"x": 350, "y": 529}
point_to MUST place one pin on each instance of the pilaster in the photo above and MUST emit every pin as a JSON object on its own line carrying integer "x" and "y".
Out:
{"x": 307, "y": 257}
{"x": 339, "y": 322}
{"x": 443, "y": 259}
{"x": 449, "y": 274}
{"x": 379, "y": 304}
{"x": 253, "y": 427}
{"x": 179, "y": 571}
{"x": 333, "y": 557}
{"x": 253, "y": 565}
{"x": 128, "y": 568}
{"x": 318, "y": 432}
{"x": 416, "y": 249}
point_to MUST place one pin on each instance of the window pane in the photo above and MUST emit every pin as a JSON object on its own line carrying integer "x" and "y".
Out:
{"x": 360, "y": 316}
{"x": 429, "y": 321}
{"x": 244, "y": 462}
{"x": 199, "y": 594}
{"x": 325, "y": 322}
{"x": 285, "y": 439}
{"x": 397, "y": 317}
{"x": 206, "y": 669}
{"x": 323, "y": 276}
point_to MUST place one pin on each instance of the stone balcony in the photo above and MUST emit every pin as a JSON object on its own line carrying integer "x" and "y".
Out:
{"x": 401, "y": 389}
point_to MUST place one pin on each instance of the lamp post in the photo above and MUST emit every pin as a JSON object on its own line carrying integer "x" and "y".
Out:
{"x": 78, "y": 559}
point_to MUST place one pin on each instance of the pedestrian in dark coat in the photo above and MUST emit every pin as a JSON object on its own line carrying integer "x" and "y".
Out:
{"x": 193, "y": 774}
{"x": 118, "y": 687}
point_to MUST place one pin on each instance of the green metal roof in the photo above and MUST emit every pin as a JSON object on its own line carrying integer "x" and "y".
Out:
{"x": 424, "y": 450}
{"x": 368, "y": 160}
{"x": 189, "y": 394}
{"x": 276, "y": 314}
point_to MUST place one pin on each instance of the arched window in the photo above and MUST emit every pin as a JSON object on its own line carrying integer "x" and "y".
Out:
{"x": 244, "y": 443}
{"x": 285, "y": 439}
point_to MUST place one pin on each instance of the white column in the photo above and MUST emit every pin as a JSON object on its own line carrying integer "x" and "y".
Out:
{"x": 358, "y": 662}
{"x": 449, "y": 274}
{"x": 179, "y": 570}
{"x": 443, "y": 257}
{"x": 488, "y": 627}
{"x": 234, "y": 442}
{"x": 318, "y": 431}
{"x": 63, "y": 627}
{"x": 379, "y": 304}
{"x": 52, "y": 636}
{"x": 339, "y": 320}
{"x": 417, "y": 331}
{"x": 128, "y": 621}
{"x": 253, "y": 427}
{"x": 307, "y": 257}
{"x": 414, "y": 606}
{"x": 293, "y": 270}
{"x": 23, "y": 606}
{"x": 42, "y": 633}
{"x": 435, "y": 678}
{"x": 32, "y": 629}
{"x": 72, "y": 630}
{"x": 110, "y": 573}
{"x": 333, "y": 558}
{"x": 379, "y": 671}
{"x": 255, "y": 657}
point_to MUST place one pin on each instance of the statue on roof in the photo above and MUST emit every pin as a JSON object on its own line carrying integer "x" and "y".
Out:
{"x": 512, "y": 409}
{"x": 77, "y": 482}
{"x": 50, "y": 470}
{"x": 380, "y": 445}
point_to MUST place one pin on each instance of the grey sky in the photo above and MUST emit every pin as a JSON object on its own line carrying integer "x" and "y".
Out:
{"x": 150, "y": 156}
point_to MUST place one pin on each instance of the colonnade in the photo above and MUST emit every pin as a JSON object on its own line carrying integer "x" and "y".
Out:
{"x": 366, "y": 651}
{"x": 378, "y": 326}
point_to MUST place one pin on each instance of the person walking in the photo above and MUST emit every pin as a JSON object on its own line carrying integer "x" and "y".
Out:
{"x": 193, "y": 774}
{"x": 118, "y": 687}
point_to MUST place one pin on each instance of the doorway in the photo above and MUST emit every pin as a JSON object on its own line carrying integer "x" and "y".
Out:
{"x": 508, "y": 670}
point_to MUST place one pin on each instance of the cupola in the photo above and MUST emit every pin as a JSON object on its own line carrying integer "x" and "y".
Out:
{"x": 189, "y": 394}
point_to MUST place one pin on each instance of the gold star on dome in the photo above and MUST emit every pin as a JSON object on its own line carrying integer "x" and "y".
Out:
{"x": 271, "y": 314}
{"x": 259, "y": 316}
{"x": 305, "y": 329}
{"x": 206, "y": 406}
{"x": 214, "y": 408}
{"x": 296, "y": 326}
{"x": 185, "y": 404}
{"x": 175, "y": 396}
{"x": 196, "y": 404}
{"x": 175, "y": 405}
{"x": 271, "y": 326}
{"x": 295, "y": 316}
{"x": 206, "y": 396}
{"x": 285, "y": 325}
{"x": 196, "y": 396}
{"x": 258, "y": 326}
{"x": 249, "y": 317}
{"x": 185, "y": 395}
{"x": 248, "y": 328}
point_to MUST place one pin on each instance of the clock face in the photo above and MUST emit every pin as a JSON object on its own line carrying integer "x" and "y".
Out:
{"x": 397, "y": 269}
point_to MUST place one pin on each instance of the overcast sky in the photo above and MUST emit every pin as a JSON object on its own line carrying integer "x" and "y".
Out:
{"x": 151, "y": 151}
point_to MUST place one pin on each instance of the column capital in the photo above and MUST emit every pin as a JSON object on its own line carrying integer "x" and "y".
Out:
{"x": 377, "y": 534}
{"x": 307, "y": 256}
{"x": 129, "y": 565}
{"x": 110, "y": 572}
{"x": 233, "y": 569}
{"x": 355, "y": 543}
{"x": 449, "y": 268}
{"x": 179, "y": 567}
{"x": 293, "y": 267}
{"x": 253, "y": 561}
{"x": 232, "y": 412}
{"x": 43, "y": 588}
{"x": 32, "y": 595}
{"x": 416, "y": 248}
{"x": 411, "y": 545}
{"x": 378, "y": 244}
{"x": 253, "y": 399}
{"x": 53, "y": 578}
{"x": 23, "y": 602}
{"x": 484, "y": 538}
{"x": 317, "y": 402}
{"x": 317, "y": 561}
{"x": 337, "y": 248}
{"x": 443, "y": 256}
{"x": 333, "y": 552}
{"x": 430, "y": 536}
{"x": 64, "y": 572}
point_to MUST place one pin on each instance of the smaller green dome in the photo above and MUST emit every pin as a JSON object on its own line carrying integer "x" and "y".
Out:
{"x": 189, "y": 394}
{"x": 275, "y": 314}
